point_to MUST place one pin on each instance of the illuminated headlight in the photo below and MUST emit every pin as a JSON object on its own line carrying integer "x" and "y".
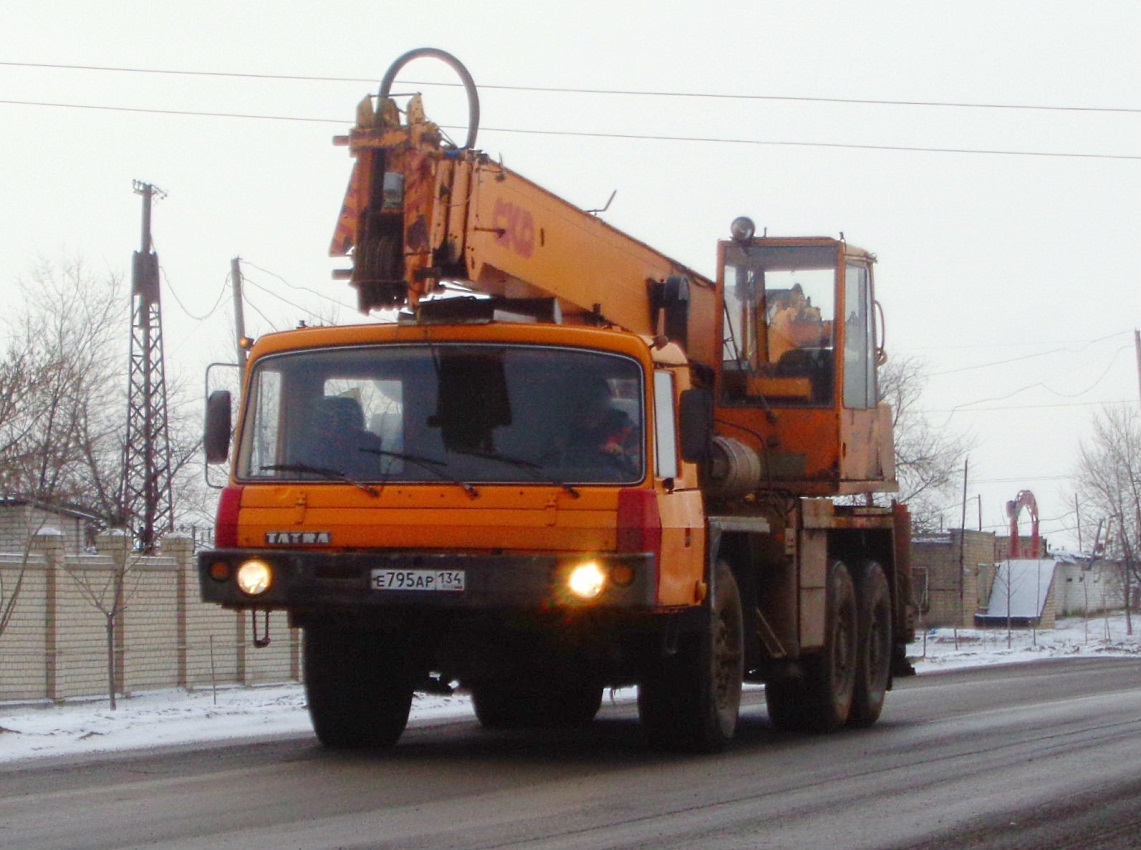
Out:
{"x": 587, "y": 581}
{"x": 254, "y": 577}
{"x": 742, "y": 229}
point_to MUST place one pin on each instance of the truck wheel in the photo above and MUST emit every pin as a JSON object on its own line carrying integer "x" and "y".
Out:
{"x": 690, "y": 700}
{"x": 873, "y": 660}
{"x": 536, "y": 704}
{"x": 821, "y": 699}
{"x": 358, "y": 686}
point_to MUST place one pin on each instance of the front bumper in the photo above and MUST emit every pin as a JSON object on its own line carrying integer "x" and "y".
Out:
{"x": 306, "y": 581}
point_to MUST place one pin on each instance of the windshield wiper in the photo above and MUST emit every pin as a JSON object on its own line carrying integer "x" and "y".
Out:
{"x": 323, "y": 471}
{"x": 427, "y": 463}
{"x": 519, "y": 463}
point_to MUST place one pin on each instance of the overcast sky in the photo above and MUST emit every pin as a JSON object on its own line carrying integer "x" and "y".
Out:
{"x": 988, "y": 152}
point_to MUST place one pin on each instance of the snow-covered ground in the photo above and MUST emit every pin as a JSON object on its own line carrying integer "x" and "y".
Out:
{"x": 177, "y": 716}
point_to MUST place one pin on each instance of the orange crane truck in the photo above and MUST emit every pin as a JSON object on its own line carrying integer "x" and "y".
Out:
{"x": 570, "y": 464}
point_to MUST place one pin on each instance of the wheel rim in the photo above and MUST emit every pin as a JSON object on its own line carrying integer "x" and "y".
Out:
{"x": 727, "y": 656}
{"x": 726, "y": 661}
{"x": 844, "y": 638}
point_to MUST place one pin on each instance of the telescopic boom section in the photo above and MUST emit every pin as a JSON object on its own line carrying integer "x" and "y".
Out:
{"x": 419, "y": 212}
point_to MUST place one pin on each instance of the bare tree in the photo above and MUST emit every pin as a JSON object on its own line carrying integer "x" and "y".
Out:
{"x": 1108, "y": 478}
{"x": 62, "y": 442}
{"x": 55, "y": 382}
{"x": 63, "y": 408}
{"x": 927, "y": 460}
{"x": 109, "y": 592}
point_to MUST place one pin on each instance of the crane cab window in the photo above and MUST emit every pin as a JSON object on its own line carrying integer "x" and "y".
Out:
{"x": 778, "y": 325}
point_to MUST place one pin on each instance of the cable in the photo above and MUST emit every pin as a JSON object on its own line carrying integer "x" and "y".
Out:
{"x": 580, "y": 134}
{"x": 281, "y": 298}
{"x": 848, "y": 146}
{"x": 1008, "y": 408}
{"x": 254, "y": 307}
{"x": 1064, "y": 350}
{"x": 1043, "y": 385}
{"x": 178, "y": 301}
{"x": 590, "y": 91}
{"x": 294, "y": 285}
{"x": 183, "y": 112}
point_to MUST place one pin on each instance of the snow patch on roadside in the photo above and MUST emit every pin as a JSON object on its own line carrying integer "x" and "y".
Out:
{"x": 168, "y": 717}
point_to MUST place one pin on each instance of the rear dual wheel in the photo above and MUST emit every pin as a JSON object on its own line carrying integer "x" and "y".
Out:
{"x": 873, "y": 662}
{"x": 847, "y": 682}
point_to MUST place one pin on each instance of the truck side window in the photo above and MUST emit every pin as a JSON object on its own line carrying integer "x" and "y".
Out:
{"x": 665, "y": 432}
{"x": 859, "y": 340}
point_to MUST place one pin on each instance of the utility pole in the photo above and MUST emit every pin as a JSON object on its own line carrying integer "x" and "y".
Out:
{"x": 962, "y": 552}
{"x": 1137, "y": 348}
{"x": 239, "y": 309}
{"x": 146, "y": 500}
{"x": 1078, "y": 521}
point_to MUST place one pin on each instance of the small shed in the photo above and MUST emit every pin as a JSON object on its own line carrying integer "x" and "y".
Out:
{"x": 1022, "y": 594}
{"x": 21, "y": 519}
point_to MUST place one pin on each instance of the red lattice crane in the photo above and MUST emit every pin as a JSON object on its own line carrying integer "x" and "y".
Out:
{"x": 1024, "y": 499}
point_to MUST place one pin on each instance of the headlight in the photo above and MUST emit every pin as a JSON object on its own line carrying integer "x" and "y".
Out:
{"x": 587, "y": 581}
{"x": 254, "y": 577}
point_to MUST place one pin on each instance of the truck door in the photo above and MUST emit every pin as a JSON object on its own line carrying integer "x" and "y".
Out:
{"x": 865, "y": 427}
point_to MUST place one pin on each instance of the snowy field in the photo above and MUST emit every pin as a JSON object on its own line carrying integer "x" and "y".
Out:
{"x": 179, "y": 717}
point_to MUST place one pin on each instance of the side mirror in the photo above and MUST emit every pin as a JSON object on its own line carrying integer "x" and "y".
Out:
{"x": 218, "y": 427}
{"x": 695, "y": 424}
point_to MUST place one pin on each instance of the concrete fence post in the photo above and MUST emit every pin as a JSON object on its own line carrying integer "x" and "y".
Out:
{"x": 48, "y": 544}
{"x": 181, "y": 548}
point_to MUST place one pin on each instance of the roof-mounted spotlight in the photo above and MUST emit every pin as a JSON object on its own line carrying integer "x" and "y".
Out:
{"x": 742, "y": 229}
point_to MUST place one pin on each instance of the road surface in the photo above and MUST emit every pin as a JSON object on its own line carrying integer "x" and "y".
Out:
{"x": 1033, "y": 756}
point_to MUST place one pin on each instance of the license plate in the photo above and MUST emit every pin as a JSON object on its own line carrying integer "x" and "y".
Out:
{"x": 447, "y": 581}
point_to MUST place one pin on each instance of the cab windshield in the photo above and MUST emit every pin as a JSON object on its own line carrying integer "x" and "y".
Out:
{"x": 462, "y": 413}
{"x": 779, "y": 316}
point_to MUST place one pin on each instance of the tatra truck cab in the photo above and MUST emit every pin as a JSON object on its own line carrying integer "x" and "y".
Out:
{"x": 583, "y": 466}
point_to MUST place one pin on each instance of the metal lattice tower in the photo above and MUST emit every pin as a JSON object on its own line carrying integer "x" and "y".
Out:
{"x": 146, "y": 497}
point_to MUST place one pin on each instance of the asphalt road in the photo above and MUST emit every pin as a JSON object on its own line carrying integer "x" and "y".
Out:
{"x": 1037, "y": 756}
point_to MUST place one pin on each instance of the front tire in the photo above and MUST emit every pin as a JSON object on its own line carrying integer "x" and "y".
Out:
{"x": 358, "y": 685}
{"x": 690, "y": 700}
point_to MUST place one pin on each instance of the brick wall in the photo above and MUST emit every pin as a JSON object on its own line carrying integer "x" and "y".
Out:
{"x": 937, "y": 558}
{"x": 55, "y": 645}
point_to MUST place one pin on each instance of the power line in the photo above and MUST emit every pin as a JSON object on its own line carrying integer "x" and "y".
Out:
{"x": 1007, "y": 408}
{"x": 1063, "y": 350}
{"x": 183, "y": 112}
{"x": 641, "y": 137}
{"x": 843, "y": 145}
{"x": 590, "y": 91}
{"x": 305, "y": 310}
{"x": 295, "y": 286}
{"x": 1042, "y": 385}
{"x": 170, "y": 288}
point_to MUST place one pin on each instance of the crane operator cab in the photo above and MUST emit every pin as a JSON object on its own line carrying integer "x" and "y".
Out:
{"x": 799, "y": 346}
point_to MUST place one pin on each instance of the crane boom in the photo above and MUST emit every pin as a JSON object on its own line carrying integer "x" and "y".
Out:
{"x": 418, "y": 212}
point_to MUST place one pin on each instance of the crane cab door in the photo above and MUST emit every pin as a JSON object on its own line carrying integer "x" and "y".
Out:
{"x": 797, "y": 375}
